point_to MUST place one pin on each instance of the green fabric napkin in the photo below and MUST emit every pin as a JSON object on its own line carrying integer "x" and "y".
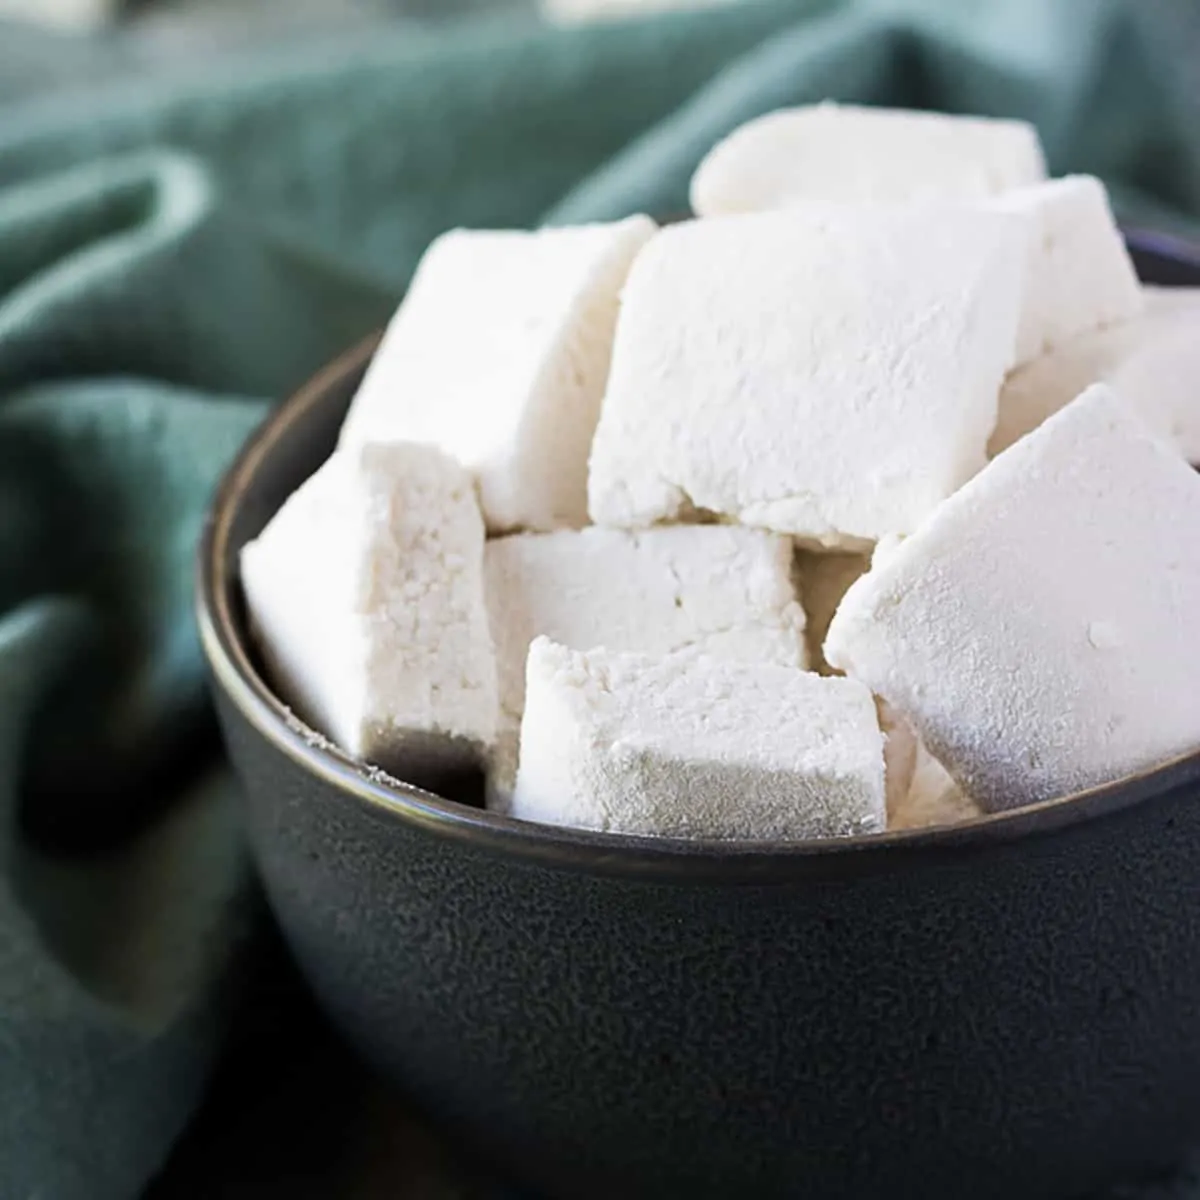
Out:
{"x": 176, "y": 254}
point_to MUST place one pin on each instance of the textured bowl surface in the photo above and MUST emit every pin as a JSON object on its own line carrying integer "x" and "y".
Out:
{"x": 1006, "y": 1008}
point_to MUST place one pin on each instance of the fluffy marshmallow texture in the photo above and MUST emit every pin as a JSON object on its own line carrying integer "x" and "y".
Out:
{"x": 848, "y": 154}
{"x": 827, "y": 373}
{"x": 1079, "y": 275}
{"x": 498, "y": 356}
{"x": 1039, "y": 630}
{"x": 687, "y": 745}
{"x": 365, "y": 593}
{"x": 722, "y": 589}
{"x": 1152, "y": 362}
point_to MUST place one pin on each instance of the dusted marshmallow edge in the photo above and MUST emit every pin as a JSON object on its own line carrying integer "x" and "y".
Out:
{"x": 843, "y": 153}
{"x": 722, "y": 589}
{"x": 498, "y": 355}
{"x": 691, "y": 746}
{"x": 1152, "y": 362}
{"x": 1039, "y": 630}
{"x": 1079, "y": 275}
{"x": 920, "y": 791}
{"x": 900, "y": 743}
{"x": 763, "y": 362}
{"x": 933, "y": 798}
{"x": 365, "y": 594}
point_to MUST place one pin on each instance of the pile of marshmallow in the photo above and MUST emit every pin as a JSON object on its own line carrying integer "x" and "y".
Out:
{"x": 860, "y": 501}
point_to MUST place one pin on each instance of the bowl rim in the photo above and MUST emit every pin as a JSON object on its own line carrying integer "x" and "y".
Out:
{"x": 683, "y": 860}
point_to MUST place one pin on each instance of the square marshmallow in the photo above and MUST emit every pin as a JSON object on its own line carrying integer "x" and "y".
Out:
{"x": 690, "y": 746}
{"x": 365, "y": 592}
{"x": 1039, "y": 630}
{"x": 722, "y": 589}
{"x": 831, "y": 374}
{"x": 1152, "y": 362}
{"x": 498, "y": 356}
{"x": 1078, "y": 276}
{"x": 846, "y": 154}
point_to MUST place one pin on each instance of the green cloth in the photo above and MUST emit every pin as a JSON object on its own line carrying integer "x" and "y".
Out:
{"x": 179, "y": 252}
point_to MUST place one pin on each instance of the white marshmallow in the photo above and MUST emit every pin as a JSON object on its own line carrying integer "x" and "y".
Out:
{"x": 498, "y": 355}
{"x": 1152, "y": 362}
{"x": 842, "y": 153}
{"x": 365, "y": 592}
{"x": 920, "y": 791}
{"x": 690, "y": 746}
{"x": 933, "y": 798}
{"x": 824, "y": 579}
{"x": 722, "y": 589}
{"x": 900, "y": 744}
{"x": 1078, "y": 276}
{"x": 831, "y": 374}
{"x": 1039, "y": 629}
{"x": 72, "y": 16}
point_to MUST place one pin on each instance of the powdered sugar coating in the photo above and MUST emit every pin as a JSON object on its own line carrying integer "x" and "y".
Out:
{"x": 499, "y": 355}
{"x": 687, "y": 745}
{"x": 933, "y": 797}
{"x": 762, "y": 362}
{"x": 1152, "y": 362}
{"x": 721, "y": 589}
{"x": 1078, "y": 276}
{"x": 848, "y": 154}
{"x": 365, "y": 592}
{"x": 1039, "y": 629}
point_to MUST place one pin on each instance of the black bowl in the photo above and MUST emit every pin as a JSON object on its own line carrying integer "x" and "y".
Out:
{"x": 1009, "y": 1008}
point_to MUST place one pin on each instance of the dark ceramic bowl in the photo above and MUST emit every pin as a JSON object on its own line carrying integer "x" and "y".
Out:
{"x": 1009, "y": 1008}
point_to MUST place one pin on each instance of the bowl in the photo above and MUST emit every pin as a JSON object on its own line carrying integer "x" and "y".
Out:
{"x": 1006, "y": 1008}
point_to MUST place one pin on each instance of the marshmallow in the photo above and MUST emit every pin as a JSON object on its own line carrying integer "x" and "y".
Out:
{"x": 498, "y": 356}
{"x": 1039, "y": 630}
{"x": 900, "y": 744}
{"x": 920, "y": 791}
{"x": 1078, "y": 276}
{"x": 1152, "y": 362}
{"x": 824, "y": 579}
{"x": 841, "y": 153}
{"x": 365, "y": 593}
{"x": 687, "y": 745}
{"x": 831, "y": 374}
{"x": 722, "y": 589}
{"x": 933, "y": 798}
{"x": 72, "y": 16}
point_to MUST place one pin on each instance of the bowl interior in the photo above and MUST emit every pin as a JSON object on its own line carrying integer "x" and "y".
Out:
{"x": 297, "y": 438}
